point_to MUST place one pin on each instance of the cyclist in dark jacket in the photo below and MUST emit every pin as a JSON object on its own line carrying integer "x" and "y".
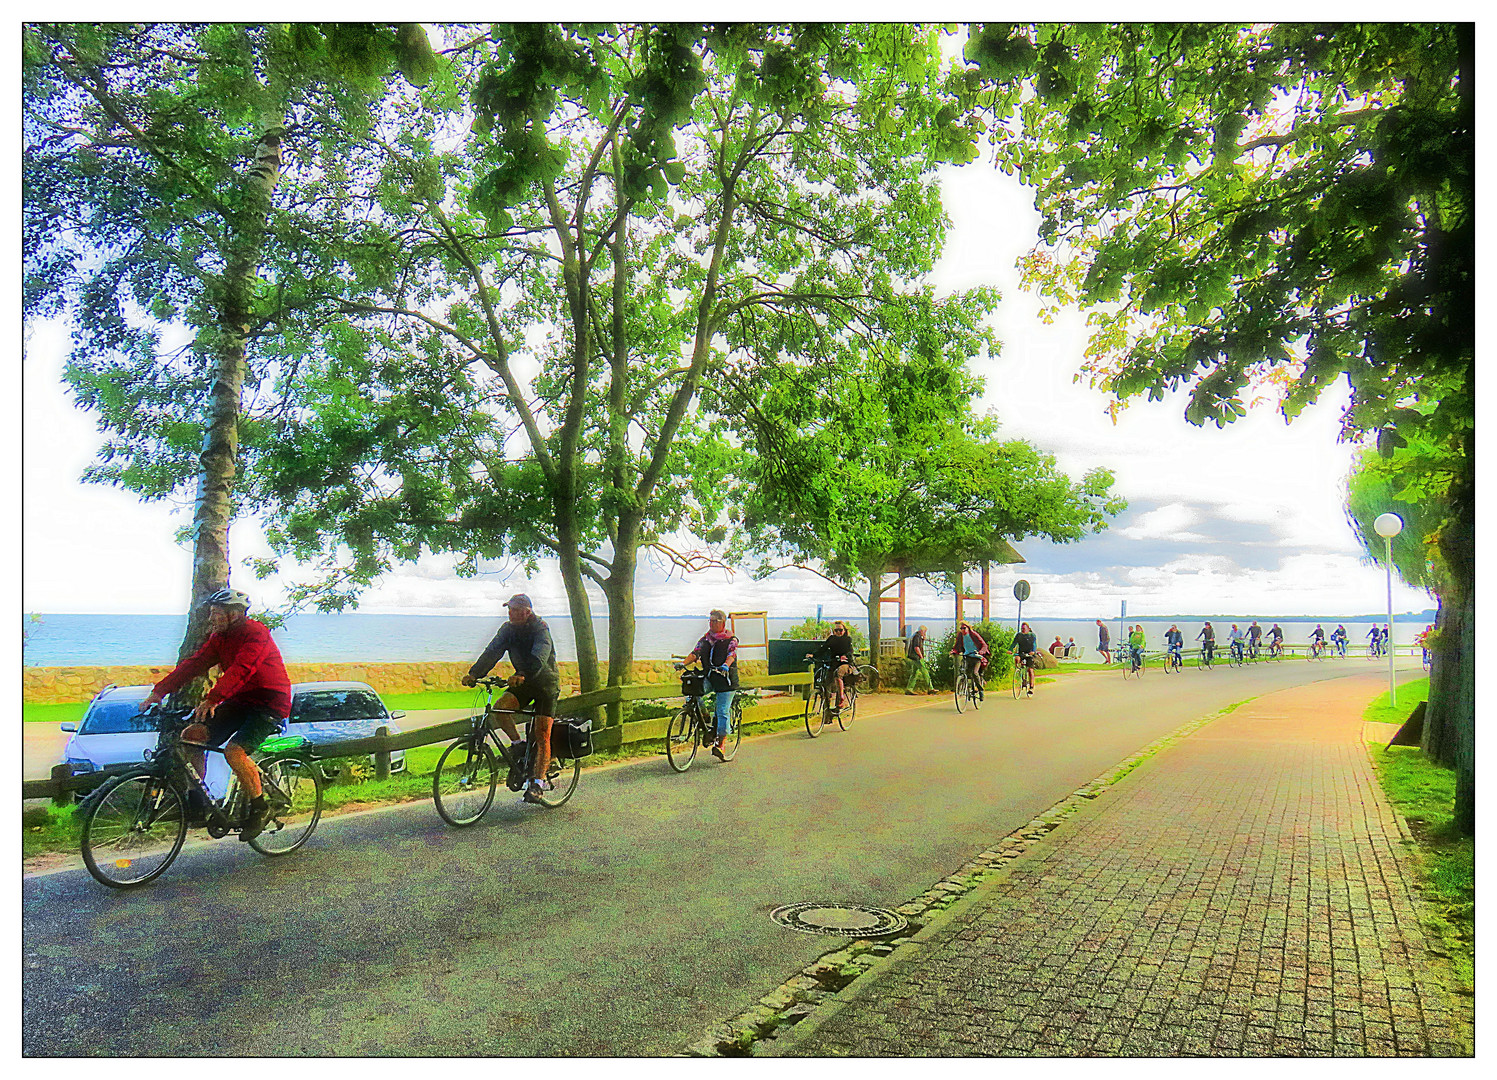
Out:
{"x": 536, "y": 681}
{"x": 836, "y": 654}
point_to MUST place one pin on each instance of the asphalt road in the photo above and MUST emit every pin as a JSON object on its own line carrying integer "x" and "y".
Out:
{"x": 624, "y": 923}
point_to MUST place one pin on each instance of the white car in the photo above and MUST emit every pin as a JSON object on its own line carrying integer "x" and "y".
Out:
{"x": 114, "y": 732}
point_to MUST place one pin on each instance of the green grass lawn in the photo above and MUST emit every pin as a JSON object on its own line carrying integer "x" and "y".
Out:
{"x": 52, "y": 714}
{"x": 1409, "y": 695}
{"x": 1424, "y": 794}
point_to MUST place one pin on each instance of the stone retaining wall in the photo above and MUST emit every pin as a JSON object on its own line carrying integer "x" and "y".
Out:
{"x": 55, "y": 685}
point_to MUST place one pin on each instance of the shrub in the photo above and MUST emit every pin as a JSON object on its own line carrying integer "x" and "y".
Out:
{"x": 820, "y": 628}
{"x": 1000, "y": 641}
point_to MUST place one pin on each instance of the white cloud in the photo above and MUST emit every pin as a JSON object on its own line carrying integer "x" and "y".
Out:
{"x": 1169, "y": 522}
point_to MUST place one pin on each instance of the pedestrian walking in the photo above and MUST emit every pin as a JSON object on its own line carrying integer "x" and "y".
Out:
{"x": 914, "y": 654}
{"x": 1104, "y": 642}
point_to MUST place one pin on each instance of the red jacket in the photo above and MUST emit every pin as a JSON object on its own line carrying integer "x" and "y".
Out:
{"x": 253, "y": 671}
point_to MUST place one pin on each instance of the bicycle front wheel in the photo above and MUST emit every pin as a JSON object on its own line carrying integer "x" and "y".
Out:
{"x": 133, "y": 829}
{"x": 463, "y": 785}
{"x": 1016, "y": 681}
{"x": 848, "y": 712}
{"x": 815, "y": 712}
{"x": 561, "y": 781}
{"x": 961, "y": 691}
{"x": 293, "y": 787}
{"x": 735, "y": 729}
{"x": 681, "y": 739}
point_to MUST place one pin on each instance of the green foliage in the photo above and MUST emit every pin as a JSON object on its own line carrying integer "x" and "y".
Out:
{"x": 878, "y": 464}
{"x": 1373, "y": 488}
{"x": 514, "y": 370}
{"x": 1251, "y": 207}
{"x": 818, "y": 629}
{"x": 1000, "y": 641}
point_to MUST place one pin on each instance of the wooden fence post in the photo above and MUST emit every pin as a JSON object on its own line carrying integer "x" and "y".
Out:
{"x": 61, "y": 774}
{"x": 382, "y": 755}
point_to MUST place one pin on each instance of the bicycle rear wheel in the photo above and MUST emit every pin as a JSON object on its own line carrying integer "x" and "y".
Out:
{"x": 133, "y": 829}
{"x": 562, "y": 777}
{"x": 681, "y": 739}
{"x": 463, "y": 785}
{"x": 816, "y": 712}
{"x": 293, "y": 787}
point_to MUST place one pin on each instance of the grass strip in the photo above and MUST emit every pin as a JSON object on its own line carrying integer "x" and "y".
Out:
{"x": 1423, "y": 791}
{"x": 33, "y": 713}
{"x": 1410, "y": 694}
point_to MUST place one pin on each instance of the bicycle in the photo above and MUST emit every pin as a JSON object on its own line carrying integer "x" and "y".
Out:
{"x": 1276, "y": 651}
{"x": 1204, "y": 657}
{"x": 967, "y": 690}
{"x": 1134, "y": 668}
{"x": 691, "y": 726}
{"x": 135, "y": 824}
{"x": 820, "y": 711}
{"x": 1236, "y": 656}
{"x": 467, "y": 773}
{"x": 1021, "y": 682}
{"x": 1172, "y": 661}
{"x": 1317, "y": 651}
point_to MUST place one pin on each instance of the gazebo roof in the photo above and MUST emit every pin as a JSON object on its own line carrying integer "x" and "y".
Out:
{"x": 918, "y": 564}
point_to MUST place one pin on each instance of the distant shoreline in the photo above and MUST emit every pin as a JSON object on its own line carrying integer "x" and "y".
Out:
{"x": 1427, "y": 615}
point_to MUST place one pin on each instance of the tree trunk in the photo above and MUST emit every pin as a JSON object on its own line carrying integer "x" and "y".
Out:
{"x": 213, "y": 509}
{"x": 1450, "y": 717}
{"x": 620, "y": 593}
{"x": 579, "y": 605}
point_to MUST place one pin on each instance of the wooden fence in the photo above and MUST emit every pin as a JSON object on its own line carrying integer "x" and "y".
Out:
{"x": 62, "y": 784}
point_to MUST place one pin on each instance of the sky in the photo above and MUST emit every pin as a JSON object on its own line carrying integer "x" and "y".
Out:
{"x": 1244, "y": 520}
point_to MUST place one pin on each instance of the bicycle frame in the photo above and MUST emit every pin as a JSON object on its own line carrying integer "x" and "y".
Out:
{"x": 482, "y": 730}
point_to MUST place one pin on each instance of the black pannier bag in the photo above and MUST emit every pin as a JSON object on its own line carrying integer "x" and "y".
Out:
{"x": 574, "y": 737}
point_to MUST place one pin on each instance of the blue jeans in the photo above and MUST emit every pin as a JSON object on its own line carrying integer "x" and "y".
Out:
{"x": 723, "y": 702}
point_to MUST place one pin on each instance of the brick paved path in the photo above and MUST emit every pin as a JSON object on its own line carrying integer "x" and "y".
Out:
{"x": 1243, "y": 893}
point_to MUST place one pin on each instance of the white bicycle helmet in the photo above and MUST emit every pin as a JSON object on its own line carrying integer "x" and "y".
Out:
{"x": 228, "y": 598}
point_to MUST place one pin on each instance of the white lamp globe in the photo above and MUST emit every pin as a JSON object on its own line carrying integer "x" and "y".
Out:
{"x": 1388, "y": 525}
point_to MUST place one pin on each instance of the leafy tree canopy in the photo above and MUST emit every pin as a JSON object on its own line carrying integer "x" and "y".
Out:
{"x": 1282, "y": 202}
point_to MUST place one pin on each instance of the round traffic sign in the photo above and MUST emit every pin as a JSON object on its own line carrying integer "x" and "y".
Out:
{"x": 1021, "y": 590}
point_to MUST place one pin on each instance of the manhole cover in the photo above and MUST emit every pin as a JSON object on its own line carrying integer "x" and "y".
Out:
{"x": 843, "y": 920}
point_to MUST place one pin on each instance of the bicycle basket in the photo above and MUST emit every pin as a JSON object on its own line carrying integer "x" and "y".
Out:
{"x": 572, "y": 737}
{"x": 693, "y": 684}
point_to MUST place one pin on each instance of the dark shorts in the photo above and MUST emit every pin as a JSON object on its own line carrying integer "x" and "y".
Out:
{"x": 537, "y": 691}
{"x": 245, "y": 725}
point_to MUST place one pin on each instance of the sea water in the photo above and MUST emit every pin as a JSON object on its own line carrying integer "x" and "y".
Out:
{"x": 104, "y": 640}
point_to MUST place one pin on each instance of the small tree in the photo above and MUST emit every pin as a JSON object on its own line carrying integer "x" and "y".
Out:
{"x": 855, "y": 469}
{"x": 820, "y": 628}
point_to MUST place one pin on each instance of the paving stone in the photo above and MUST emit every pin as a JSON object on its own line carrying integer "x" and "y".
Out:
{"x": 1248, "y": 893}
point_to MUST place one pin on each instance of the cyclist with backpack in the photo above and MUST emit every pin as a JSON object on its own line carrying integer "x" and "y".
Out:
{"x": 717, "y": 651}
{"x": 974, "y": 652}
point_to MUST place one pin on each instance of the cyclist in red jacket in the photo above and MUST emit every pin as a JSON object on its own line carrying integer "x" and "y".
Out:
{"x": 247, "y": 704}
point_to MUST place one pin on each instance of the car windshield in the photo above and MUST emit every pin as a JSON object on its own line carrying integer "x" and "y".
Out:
{"x": 118, "y": 717}
{"x": 331, "y": 706}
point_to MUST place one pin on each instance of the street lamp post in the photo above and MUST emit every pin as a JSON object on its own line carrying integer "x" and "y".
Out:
{"x": 1388, "y": 526}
